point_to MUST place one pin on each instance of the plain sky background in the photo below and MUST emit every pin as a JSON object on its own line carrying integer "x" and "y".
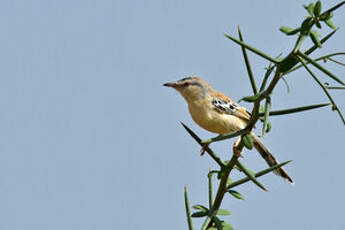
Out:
{"x": 89, "y": 138}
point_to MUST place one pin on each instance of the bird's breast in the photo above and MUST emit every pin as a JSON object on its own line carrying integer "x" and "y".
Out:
{"x": 208, "y": 118}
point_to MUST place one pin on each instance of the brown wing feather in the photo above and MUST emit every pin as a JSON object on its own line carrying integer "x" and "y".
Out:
{"x": 224, "y": 104}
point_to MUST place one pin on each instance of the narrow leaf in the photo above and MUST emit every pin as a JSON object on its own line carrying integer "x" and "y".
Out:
{"x": 306, "y": 25}
{"x": 287, "y": 84}
{"x": 267, "y": 74}
{"x": 223, "y": 212}
{"x": 266, "y": 115}
{"x": 222, "y": 225}
{"x": 248, "y": 141}
{"x": 310, "y": 8}
{"x": 289, "y": 30}
{"x": 200, "y": 207}
{"x": 236, "y": 194}
{"x": 323, "y": 40}
{"x": 315, "y": 38}
{"x": 269, "y": 127}
{"x": 251, "y": 98}
{"x": 330, "y": 24}
{"x": 318, "y": 24}
{"x": 317, "y": 8}
{"x": 199, "y": 214}
{"x": 228, "y": 181}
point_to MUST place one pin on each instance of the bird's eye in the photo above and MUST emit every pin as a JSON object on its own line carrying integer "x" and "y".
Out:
{"x": 186, "y": 84}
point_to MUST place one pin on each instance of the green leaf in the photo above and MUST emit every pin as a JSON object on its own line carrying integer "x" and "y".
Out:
{"x": 227, "y": 226}
{"x": 222, "y": 225}
{"x": 236, "y": 194}
{"x": 330, "y": 24}
{"x": 251, "y": 98}
{"x": 287, "y": 84}
{"x": 199, "y": 214}
{"x": 306, "y": 25}
{"x": 289, "y": 30}
{"x": 315, "y": 38}
{"x": 267, "y": 111}
{"x": 268, "y": 72}
{"x": 318, "y": 24}
{"x": 317, "y": 8}
{"x": 228, "y": 182}
{"x": 200, "y": 207}
{"x": 248, "y": 141}
{"x": 310, "y": 8}
{"x": 223, "y": 212}
{"x": 269, "y": 127}
{"x": 326, "y": 16}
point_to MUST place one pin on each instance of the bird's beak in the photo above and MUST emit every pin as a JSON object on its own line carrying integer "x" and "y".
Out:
{"x": 170, "y": 84}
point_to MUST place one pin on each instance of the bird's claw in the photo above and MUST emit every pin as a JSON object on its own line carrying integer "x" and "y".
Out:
{"x": 203, "y": 149}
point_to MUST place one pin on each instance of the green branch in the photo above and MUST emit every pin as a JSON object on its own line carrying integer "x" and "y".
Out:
{"x": 335, "y": 107}
{"x": 246, "y": 60}
{"x": 294, "y": 110}
{"x": 207, "y": 149}
{"x": 258, "y": 174}
{"x": 317, "y": 59}
{"x": 320, "y": 67}
{"x": 334, "y": 87}
{"x": 220, "y": 192}
{"x": 250, "y": 175}
{"x": 186, "y": 202}
{"x": 256, "y": 51}
{"x": 225, "y": 136}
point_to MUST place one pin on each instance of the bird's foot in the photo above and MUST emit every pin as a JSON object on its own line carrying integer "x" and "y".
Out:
{"x": 203, "y": 149}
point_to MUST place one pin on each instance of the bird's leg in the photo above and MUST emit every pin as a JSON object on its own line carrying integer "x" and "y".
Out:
{"x": 235, "y": 149}
{"x": 204, "y": 147}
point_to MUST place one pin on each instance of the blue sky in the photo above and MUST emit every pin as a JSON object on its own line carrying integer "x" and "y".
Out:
{"x": 89, "y": 138}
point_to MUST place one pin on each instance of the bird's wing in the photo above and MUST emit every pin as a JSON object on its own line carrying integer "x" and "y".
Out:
{"x": 224, "y": 104}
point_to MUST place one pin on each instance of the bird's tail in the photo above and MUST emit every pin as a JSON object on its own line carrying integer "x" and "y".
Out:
{"x": 269, "y": 158}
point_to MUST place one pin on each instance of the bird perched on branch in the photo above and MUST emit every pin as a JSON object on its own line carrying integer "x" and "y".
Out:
{"x": 217, "y": 113}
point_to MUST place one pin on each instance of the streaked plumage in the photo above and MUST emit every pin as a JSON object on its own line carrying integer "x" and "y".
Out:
{"x": 217, "y": 113}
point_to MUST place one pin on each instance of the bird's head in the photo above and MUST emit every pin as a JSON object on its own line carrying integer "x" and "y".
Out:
{"x": 191, "y": 88}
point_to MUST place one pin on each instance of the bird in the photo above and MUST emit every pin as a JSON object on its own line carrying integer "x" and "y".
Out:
{"x": 218, "y": 113}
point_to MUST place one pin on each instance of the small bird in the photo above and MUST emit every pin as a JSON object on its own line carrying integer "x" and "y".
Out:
{"x": 218, "y": 113}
